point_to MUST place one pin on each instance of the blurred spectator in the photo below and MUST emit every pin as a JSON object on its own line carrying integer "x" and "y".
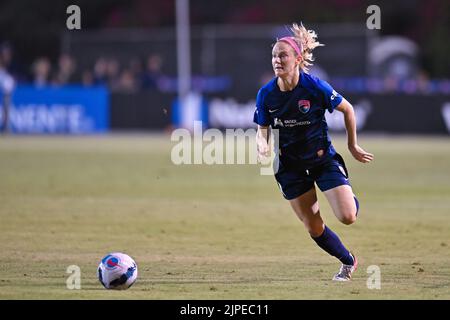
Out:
{"x": 423, "y": 82}
{"x": 41, "y": 72}
{"x": 126, "y": 83}
{"x": 9, "y": 62}
{"x": 87, "y": 78}
{"x": 391, "y": 84}
{"x": 7, "y": 82}
{"x": 152, "y": 74}
{"x": 135, "y": 67}
{"x": 6, "y": 55}
{"x": 6, "y": 87}
{"x": 66, "y": 70}
{"x": 99, "y": 74}
{"x": 112, "y": 72}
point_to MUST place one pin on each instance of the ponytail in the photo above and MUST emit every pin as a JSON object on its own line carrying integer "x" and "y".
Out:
{"x": 307, "y": 41}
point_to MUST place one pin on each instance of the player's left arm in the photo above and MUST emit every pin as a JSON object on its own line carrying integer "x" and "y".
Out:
{"x": 352, "y": 141}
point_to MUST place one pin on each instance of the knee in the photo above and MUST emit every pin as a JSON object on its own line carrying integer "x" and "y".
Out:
{"x": 348, "y": 218}
{"x": 348, "y": 214}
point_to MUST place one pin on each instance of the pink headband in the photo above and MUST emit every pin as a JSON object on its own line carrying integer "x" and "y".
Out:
{"x": 292, "y": 43}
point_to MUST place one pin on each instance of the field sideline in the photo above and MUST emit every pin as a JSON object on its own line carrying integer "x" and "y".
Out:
{"x": 214, "y": 232}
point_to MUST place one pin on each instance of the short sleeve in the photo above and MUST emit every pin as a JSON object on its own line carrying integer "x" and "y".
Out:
{"x": 332, "y": 98}
{"x": 261, "y": 116}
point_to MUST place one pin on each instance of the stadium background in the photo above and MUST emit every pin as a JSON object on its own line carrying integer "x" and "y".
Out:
{"x": 130, "y": 48}
{"x": 87, "y": 144}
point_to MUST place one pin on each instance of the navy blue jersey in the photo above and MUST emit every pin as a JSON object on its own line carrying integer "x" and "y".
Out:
{"x": 299, "y": 115}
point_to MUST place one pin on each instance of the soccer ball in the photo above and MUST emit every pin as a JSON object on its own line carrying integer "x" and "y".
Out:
{"x": 117, "y": 271}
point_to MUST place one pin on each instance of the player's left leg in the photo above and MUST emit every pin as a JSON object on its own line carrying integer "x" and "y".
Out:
{"x": 332, "y": 180}
{"x": 343, "y": 202}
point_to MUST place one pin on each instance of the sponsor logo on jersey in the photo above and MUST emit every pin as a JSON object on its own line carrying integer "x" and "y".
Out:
{"x": 289, "y": 123}
{"x": 278, "y": 122}
{"x": 334, "y": 94}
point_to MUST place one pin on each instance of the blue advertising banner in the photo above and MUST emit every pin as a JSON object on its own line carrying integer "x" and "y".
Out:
{"x": 65, "y": 110}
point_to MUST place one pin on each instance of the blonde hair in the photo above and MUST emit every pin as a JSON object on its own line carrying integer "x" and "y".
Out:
{"x": 307, "y": 42}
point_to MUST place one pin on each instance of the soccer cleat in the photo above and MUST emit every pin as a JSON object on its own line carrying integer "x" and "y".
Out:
{"x": 346, "y": 271}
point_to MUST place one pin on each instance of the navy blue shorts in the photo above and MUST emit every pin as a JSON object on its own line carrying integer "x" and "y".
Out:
{"x": 295, "y": 182}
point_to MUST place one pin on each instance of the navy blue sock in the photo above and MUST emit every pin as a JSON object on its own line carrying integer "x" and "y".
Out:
{"x": 330, "y": 242}
{"x": 357, "y": 205}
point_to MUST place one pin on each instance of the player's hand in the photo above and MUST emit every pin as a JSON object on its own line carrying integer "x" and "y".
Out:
{"x": 359, "y": 154}
{"x": 262, "y": 147}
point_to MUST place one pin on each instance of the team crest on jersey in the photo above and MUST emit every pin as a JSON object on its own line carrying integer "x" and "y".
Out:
{"x": 304, "y": 106}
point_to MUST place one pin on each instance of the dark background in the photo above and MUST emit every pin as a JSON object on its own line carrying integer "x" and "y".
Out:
{"x": 135, "y": 41}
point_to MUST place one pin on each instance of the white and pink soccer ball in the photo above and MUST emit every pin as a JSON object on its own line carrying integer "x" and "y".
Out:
{"x": 117, "y": 271}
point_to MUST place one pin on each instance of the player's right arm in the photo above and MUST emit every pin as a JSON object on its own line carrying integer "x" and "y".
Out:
{"x": 262, "y": 142}
{"x": 262, "y": 118}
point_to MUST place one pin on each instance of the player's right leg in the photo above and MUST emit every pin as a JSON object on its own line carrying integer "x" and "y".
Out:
{"x": 306, "y": 207}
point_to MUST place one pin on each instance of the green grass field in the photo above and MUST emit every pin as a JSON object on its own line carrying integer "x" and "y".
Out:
{"x": 214, "y": 232}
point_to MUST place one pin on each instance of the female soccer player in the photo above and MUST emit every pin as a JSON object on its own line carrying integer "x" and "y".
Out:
{"x": 295, "y": 102}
